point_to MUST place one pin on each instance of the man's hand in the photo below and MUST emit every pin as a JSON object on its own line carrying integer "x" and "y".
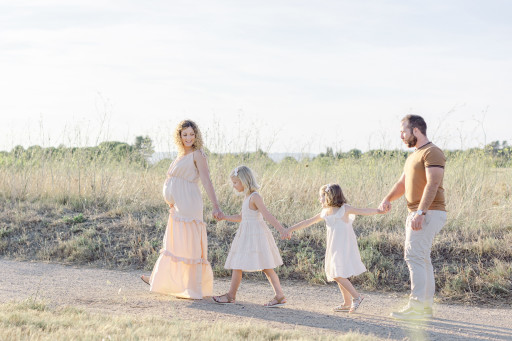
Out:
{"x": 417, "y": 222}
{"x": 385, "y": 206}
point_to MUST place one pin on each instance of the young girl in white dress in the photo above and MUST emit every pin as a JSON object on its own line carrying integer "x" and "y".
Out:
{"x": 342, "y": 259}
{"x": 253, "y": 248}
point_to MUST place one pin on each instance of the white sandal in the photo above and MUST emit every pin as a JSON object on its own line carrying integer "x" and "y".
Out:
{"x": 356, "y": 302}
{"x": 342, "y": 308}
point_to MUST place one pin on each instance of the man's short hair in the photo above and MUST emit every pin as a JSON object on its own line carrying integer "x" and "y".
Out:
{"x": 415, "y": 121}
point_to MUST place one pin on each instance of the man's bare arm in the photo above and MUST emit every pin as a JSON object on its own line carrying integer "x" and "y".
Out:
{"x": 434, "y": 178}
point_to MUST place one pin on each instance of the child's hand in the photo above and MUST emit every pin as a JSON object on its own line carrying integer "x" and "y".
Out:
{"x": 381, "y": 211}
{"x": 385, "y": 206}
{"x": 284, "y": 234}
{"x": 289, "y": 233}
{"x": 218, "y": 214}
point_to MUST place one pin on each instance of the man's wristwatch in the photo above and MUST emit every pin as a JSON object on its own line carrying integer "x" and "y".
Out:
{"x": 420, "y": 212}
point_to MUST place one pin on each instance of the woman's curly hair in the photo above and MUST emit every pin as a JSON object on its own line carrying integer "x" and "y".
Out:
{"x": 198, "y": 143}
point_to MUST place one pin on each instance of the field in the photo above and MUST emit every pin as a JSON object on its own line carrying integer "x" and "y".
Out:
{"x": 35, "y": 319}
{"x": 109, "y": 212}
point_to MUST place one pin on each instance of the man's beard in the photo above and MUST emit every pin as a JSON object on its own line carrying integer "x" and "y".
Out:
{"x": 411, "y": 142}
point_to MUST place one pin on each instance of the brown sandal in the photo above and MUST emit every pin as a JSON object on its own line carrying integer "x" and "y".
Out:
{"x": 229, "y": 300}
{"x": 279, "y": 302}
{"x": 144, "y": 279}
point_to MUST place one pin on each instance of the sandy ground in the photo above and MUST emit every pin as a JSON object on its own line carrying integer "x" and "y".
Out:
{"x": 309, "y": 308}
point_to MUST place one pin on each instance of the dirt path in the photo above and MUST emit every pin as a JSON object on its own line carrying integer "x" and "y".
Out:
{"x": 308, "y": 308}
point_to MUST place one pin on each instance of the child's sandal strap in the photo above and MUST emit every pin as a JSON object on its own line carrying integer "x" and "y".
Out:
{"x": 356, "y": 302}
{"x": 229, "y": 299}
{"x": 279, "y": 302}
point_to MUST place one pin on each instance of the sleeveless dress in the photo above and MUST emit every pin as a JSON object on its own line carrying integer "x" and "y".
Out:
{"x": 342, "y": 258}
{"x": 254, "y": 247}
{"x": 182, "y": 269}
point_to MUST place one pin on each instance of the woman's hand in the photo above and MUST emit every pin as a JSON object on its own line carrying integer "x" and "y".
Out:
{"x": 217, "y": 214}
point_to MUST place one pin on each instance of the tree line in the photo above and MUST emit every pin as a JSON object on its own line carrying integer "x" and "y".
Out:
{"x": 141, "y": 150}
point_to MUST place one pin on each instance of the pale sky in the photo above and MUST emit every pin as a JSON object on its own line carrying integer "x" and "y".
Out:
{"x": 284, "y": 76}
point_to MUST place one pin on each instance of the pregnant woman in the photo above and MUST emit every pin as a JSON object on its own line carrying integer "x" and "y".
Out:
{"x": 182, "y": 269}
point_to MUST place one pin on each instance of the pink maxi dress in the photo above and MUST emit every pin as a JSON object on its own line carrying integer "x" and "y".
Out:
{"x": 182, "y": 269}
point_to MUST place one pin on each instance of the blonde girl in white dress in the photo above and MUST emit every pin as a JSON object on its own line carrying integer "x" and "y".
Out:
{"x": 342, "y": 259}
{"x": 253, "y": 248}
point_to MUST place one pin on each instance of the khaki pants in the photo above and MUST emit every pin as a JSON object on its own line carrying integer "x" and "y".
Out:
{"x": 418, "y": 245}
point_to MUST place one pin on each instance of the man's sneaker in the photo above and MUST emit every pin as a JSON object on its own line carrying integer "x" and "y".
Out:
{"x": 428, "y": 312}
{"x": 409, "y": 313}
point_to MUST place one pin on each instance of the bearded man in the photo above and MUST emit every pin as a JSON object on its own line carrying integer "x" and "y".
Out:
{"x": 422, "y": 184}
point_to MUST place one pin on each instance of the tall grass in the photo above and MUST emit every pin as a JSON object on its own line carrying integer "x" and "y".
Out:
{"x": 111, "y": 212}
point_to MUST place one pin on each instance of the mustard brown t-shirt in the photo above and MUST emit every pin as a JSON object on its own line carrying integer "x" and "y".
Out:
{"x": 424, "y": 157}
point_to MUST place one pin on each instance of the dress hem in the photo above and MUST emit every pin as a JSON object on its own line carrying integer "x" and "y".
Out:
{"x": 251, "y": 270}
{"x": 331, "y": 279}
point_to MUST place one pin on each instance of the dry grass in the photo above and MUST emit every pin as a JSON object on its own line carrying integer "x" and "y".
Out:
{"x": 35, "y": 320}
{"x": 112, "y": 214}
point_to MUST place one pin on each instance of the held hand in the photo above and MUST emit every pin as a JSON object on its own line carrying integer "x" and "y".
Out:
{"x": 289, "y": 233}
{"x": 417, "y": 222}
{"x": 217, "y": 213}
{"x": 385, "y": 206}
{"x": 380, "y": 211}
{"x": 285, "y": 234}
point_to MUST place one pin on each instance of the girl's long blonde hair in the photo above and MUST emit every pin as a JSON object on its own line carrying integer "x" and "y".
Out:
{"x": 198, "y": 143}
{"x": 247, "y": 178}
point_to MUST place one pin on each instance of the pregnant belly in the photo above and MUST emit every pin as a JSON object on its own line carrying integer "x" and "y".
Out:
{"x": 167, "y": 191}
{"x": 179, "y": 191}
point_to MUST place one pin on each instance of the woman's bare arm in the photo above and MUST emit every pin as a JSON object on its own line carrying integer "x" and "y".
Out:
{"x": 204, "y": 174}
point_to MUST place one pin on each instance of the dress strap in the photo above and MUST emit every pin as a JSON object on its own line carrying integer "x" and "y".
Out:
{"x": 201, "y": 150}
{"x": 323, "y": 212}
{"x": 248, "y": 199}
{"x": 341, "y": 210}
{"x": 250, "y": 195}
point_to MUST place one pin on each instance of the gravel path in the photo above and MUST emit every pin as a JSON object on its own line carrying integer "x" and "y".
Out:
{"x": 308, "y": 308}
